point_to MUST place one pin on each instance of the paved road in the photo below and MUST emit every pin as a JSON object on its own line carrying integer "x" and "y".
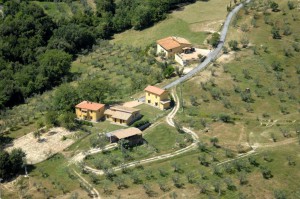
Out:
{"x": 212, "y": 55}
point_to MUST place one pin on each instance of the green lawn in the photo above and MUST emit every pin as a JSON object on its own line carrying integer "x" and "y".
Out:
{"x": 163, "y": 137}
{"x": 191, "y": 23}
{"x": 150, "y": 113}
{"x": 100, "y": 127}
{"x": 160, "y": 139}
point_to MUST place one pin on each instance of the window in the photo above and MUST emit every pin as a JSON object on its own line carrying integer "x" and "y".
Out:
{"x": 149, "y": 101}
{"x": 156, "y": 104}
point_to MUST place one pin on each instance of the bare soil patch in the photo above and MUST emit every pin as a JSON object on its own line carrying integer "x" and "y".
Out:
{"x": 50, "y": 143}
{"x": 207, "y": 26}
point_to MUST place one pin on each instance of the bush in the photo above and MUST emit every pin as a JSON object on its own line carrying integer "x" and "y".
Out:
{"x": 140, "y": 123}
{"x": 225, "y": 118}
{"x": 266, "y": 172}
{"x": 291, "y": 5}
{"x": 233, "y": 44}
{"x": 215, "y": 38}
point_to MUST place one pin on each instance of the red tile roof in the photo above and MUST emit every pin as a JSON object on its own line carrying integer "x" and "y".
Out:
{"x": 168, "y": 43}
{"x": 89, "y": 105}
{"x": 172, "y": 42}
{"x": 154, "y": 90}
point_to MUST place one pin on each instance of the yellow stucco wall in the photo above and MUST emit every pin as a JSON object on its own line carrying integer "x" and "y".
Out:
{"x": 90, "y": 115}
{"x": 154, "y": 100}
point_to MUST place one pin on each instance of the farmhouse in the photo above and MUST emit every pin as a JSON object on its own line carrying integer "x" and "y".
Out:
{"x": 122, "y": 115}
{"x": 132, "y": 134}
{"x": 92, "y": 111}
{"x": 172, "y": 45}
{"x": 157, "y": 97}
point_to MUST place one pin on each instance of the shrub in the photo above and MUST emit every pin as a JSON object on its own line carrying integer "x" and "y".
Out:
{"x": 233, "y": 44}
{"x": 291, "y": 5}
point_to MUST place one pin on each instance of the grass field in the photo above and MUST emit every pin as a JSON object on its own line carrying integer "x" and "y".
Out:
{"x": 191, "y": 22}
{"x": 159, "y": 139}
{"x": 274, "y": 108}
{"x": 61, "y": 10}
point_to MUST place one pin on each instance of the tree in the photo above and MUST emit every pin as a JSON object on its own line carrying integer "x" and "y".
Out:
{"x": 215, "y": 39}
{"x": 163, "y": 186}
{"x": 214, "y": 141}
{"x": 168, "y": 71}
{"x": 276, "y": 65}
{"x": 245, "y": 42}
{"x": 243, "y": 178}
{"x": 225, "y": 118}
{"x": 177, "y": 167}
{"x": 191, "y": 177}
{"x": 65, "y": 98}
{"x": 37, "y": 135}
{"x": 230, "y": 185}
{"x": 266, "y": 172}
{"x": 177, "y": 181}
{"x": 5, "y": 164}
{"x": 274, "y": 6}
{"x": 280, "y": 194}
{"x": 54, "y": 64}
{"x": 149, "y": 191}
{"x": 233, "y": 44}
{"x": 275, "y": 32}
{"x": 291, "y": 5}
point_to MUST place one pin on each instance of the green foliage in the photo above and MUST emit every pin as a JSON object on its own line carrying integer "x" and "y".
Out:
{"x": 11, "y": 164}
{"x": 274, "y": 6}
{"x": 225, "y": 118}
{"x": 276, "y": 32}
{"x": 215, "y": 38}
{"x": 266, "y": 172}
{"x": 280, "y": 194}
{"x": 168, "y": 71}
{"x": 233, "y": 44}
{"x": 291, "y": 5}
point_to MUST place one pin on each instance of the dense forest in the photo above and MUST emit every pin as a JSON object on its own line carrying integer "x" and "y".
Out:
{"x": 36, "y": 52}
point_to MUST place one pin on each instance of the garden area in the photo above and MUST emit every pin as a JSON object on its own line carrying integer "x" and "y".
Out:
{"x": 160, "y": 139}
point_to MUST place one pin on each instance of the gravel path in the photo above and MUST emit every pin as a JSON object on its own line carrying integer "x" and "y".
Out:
{"x": 160, "y": 157}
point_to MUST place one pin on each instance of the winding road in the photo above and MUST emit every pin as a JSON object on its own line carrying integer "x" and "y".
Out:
{"x": 212, "y": 55}
{"x": 170, "y": 121}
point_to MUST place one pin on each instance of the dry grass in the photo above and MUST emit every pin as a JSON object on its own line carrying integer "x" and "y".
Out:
{"x": 191, "y": 22}
{"x": 51, "y": 143}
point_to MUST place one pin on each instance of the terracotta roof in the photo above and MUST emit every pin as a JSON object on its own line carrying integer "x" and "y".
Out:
{"x": 121, "y": 115}
{"x": 89, "y": 105}
{"x": 168, "y": 43}
{"x": 181, "y": 40}
{"x": 172, "y": 42}
{"x": 124, "y": 133}
{"x": 124, "y": 109}
{"x": 154, "y": 90}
